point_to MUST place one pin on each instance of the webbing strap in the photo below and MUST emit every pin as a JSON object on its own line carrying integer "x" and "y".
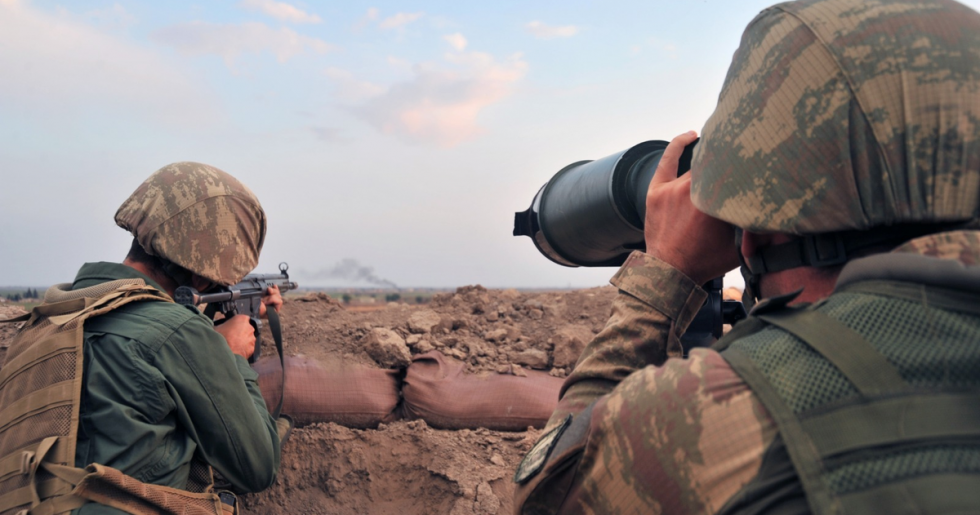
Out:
{"x": 866, "y": 368}
{"x": 53, "y": 396}
{"x": 831, "y": 249}
{"x": 18, "y": 318}
{"x": 952, "y": 494}
{"x": 42, "y": 453}
{"x": 742, "y": 329}
{"x": 895, "y": 420}
{"x": 802, "y": 452}
{"x": 59, "y": 504}
{"x": 13, "y": 463}
{"x": 22, "y": 496}
{"x": 73, "y": 475}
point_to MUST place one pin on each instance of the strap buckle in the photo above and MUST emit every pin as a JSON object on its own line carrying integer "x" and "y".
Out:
{"x": 27, "y": 462}
{"x": 822, "y": 250}
{"x": 229, "y": 503}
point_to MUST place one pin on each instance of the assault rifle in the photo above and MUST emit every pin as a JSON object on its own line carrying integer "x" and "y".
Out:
{"x": 244, "y": 298}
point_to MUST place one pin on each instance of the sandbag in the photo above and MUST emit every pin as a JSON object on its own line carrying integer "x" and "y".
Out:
{"x": 437, "y": 390}
{"x": 352, "y": 396}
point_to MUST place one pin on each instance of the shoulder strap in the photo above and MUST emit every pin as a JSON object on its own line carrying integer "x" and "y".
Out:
{"x": 802, "y": 452}
{"x": 869, "y": 372}
{"x": 866, "y": 368}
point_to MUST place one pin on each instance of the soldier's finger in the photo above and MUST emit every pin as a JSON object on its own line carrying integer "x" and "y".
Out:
{"x": 667, "y": 168}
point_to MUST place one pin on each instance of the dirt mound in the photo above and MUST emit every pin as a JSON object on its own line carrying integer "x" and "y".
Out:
{"x": 407, "y": 467}
{"x": 489, "y": 330}
{"x": 7, "y": 331}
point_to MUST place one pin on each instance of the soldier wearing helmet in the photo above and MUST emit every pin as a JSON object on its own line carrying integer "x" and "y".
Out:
{"x": 843, "y": 159}
{"x": 153, "y": 396}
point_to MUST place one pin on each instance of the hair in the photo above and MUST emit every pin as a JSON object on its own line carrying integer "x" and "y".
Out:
{"x": 137, "y": 254}
{"x": 179, "y": 274}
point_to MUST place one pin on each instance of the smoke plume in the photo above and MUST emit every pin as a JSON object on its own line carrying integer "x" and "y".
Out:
{"x": 351, "y": 270}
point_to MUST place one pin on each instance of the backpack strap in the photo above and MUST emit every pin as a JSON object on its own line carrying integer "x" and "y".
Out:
{"x": 866, "y": 368}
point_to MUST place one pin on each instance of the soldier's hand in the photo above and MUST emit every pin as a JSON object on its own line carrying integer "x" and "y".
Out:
{"x": 239, "y": 334}
{"x": 698, "y": 245}
{"x": 272, "y": 298}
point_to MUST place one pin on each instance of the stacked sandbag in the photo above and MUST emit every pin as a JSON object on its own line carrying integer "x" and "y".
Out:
{"x": 438, "y": 390}
{"x": 352, "y": 396}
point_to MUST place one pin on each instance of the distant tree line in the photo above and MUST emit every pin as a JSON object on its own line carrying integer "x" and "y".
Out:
{"x": 28, "y": 294}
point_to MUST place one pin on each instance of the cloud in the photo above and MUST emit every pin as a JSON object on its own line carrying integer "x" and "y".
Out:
{"x": 456, "y": 40}
{"x": 399, "y": 20}
{"x": 280, "y": 11}
{"x": 441, "y": 103}
{"x": 542, "y": 31}
{"x": 56, "y": 65}
{"x": 230, "y": 41}
{"x": 371, "y": 15}
{"x": 349, "y": 88}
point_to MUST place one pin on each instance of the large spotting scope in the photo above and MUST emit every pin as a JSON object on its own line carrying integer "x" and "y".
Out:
{"x": 591, "y": 214}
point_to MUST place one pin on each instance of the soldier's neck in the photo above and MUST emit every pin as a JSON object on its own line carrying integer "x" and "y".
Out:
{"x": 161, "y": 278}
{"x": 817, "y": 283}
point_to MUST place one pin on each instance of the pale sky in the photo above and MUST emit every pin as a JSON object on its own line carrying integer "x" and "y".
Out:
{"x": 402, "y": 135}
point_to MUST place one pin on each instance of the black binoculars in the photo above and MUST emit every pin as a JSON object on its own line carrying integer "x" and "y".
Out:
{"x": 591, "y": 214}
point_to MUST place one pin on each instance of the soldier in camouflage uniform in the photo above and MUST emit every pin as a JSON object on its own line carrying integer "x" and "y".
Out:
{"x": 163, "y": 389}
{"x": 844, "y": 160}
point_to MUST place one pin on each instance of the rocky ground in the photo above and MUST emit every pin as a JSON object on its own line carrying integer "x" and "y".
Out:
{"x": 491, "y": 330}
{"x": 406, "y": 467}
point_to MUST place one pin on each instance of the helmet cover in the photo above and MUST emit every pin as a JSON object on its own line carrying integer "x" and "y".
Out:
{"x": 198, "y": 217}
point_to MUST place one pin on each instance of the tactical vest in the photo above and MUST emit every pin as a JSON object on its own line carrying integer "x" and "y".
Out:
{"x": 40, "y": 393}
{"x": 876, "y": 394}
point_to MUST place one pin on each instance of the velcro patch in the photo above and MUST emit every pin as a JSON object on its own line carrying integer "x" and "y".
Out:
{"x": 538, "y": 455}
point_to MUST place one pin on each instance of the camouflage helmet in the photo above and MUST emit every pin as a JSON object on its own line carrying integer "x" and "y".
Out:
{"x": 198, "y": 217}
{"x": 846, "y": 115}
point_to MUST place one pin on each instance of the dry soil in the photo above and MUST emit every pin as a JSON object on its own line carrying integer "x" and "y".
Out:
{"x": 406, "y": 467}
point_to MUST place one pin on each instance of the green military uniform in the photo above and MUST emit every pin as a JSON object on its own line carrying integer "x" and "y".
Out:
{"x": 110, "y": 375}
{"x": 161, "y": 386}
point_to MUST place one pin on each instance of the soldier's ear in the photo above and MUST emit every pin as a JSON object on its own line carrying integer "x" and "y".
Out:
{"x": 202, "y": 284}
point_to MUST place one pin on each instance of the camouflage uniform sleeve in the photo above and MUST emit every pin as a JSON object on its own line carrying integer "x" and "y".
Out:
{"x": 681, "y": 438}
{"x": 656, "y": 302}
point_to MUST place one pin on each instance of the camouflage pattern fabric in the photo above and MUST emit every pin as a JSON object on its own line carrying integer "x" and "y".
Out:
{"x": 198, "y": 217}
{"x": 634, "y": 336}
{"x": 846, "y": 114}
{"x": 962, "y": 246}
{"x": 682, "y": 436}
{"x": 679, "y": 437}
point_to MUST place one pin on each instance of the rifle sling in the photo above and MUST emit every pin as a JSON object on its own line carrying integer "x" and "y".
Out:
{"x": 276, "y": 328}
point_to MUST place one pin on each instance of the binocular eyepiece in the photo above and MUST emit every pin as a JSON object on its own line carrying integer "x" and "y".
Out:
{"x": 591, "y": 214}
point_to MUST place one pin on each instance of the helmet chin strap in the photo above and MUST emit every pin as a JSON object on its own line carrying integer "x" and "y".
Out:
{"x": 824, "y": 250}
{"x": 750, "y": 294}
